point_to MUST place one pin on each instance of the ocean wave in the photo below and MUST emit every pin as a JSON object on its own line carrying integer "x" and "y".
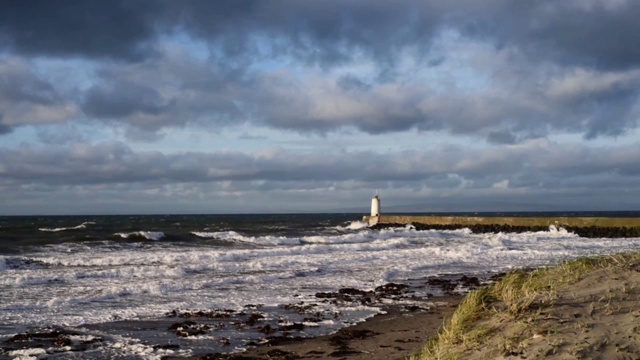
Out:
{"x": 233, "y": 236}
{"x": 353, "y": 225}
{"x": 149, "y": 235}
{"x": 81, "y": 226}
{"x": 220, "y": 235}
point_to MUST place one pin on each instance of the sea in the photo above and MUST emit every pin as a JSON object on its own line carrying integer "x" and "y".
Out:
{"x": 115, "y": 286}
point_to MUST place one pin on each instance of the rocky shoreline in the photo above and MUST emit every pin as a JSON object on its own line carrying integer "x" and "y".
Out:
{"x": 409, "y": 314}
{"x": 586, "y": 232}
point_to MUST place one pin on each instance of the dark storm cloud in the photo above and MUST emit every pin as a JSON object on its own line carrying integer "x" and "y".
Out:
{"x": 541, "y": 63}
{"x": 591, "y": 33}
{"x": 323, "y": 32}
{"x": 102, "y": 29}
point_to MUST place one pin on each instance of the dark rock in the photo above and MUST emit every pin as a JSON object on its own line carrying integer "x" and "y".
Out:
{"x": 438, "y": 282}
{"x": 281, "y": 354}
{"x": 326, "y": 295}
{"x": 301, "y": 307}
{"x": 253, "y": 306}
{"x": 189, "y": 328}
{"x": 391, "y": 289}
{"x": 211, "y": 314}
{"x": 289, "y": 327}
{"x": 445, "y": 284}
{"x": 254, "y": 318}
{"x": 61, "y": 341}
{"x": 267, "y": 329}
{"x": 469, "y": 281}
{"x": 18, "y": 338}
{"x": 176, "y": 326}
{"x": 353, "y": 292}
{"x": 166, "y": 347}
{"x": 414, "y": 308}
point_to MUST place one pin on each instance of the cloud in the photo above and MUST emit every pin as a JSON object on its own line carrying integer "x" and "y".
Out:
{"x": 121, "y": 99}
{"x": 4, "y": 129}
{"x": 111, "y": 30}
{"x": 26, "y": 98}
{"x": 328, "y": 33}
{"x": 501, "y": 71}
{"x": 115, "y": 162}
{"x": 532, "y": 175}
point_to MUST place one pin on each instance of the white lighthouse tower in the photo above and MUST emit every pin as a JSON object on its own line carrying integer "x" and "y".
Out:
{"x": 375, "y": 205}
{"x": 375, "y": 211}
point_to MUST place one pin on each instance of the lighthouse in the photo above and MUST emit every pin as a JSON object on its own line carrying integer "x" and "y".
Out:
{"x": 375, "y": 205}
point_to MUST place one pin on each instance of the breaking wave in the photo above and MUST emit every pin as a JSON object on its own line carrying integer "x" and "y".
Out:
{"x": 149, "y": 235}
{"x": 81, "y": 226}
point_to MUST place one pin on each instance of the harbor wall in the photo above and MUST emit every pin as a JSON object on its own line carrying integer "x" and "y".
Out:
{"x": 510, "y": 221}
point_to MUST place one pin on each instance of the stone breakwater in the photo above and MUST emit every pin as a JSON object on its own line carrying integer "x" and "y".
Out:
{"x": 586, "y": 232}
{"x": 591, "y": 227}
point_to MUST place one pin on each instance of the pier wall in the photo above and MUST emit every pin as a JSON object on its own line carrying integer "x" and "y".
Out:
{"x": 567, "y": 222}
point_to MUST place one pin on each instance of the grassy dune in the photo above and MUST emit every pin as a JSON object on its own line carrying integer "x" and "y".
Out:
{"x": 584, "y": 309}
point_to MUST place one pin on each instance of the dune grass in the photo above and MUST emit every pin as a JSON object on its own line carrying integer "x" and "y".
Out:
{"x": 519, "y": 297}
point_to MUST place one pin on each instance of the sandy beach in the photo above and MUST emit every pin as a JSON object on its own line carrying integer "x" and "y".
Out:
{"x": 585, "y": 309}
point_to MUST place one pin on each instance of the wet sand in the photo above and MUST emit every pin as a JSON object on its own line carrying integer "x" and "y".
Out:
{"x": 394, "y": 335}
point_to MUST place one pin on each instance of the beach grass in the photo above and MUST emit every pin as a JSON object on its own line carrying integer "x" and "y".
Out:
{"x": 529, "y": 311}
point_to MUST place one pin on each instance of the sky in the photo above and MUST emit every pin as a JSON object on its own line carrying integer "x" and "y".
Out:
{"x": 283, "y": 106}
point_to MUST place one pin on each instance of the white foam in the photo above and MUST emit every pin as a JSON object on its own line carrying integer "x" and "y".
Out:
{"x": 81, "y": 226}
{"x": 256, "y": 240}
{"x": 149, "y": 235}
{"x": 353, "y": 225}
{"x": 26, "y": 354}
{"x": 79, "y": 284}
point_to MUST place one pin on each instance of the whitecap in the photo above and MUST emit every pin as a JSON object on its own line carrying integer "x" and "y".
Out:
{"x": 81, "y": 226}
{"x": 221, "y": 235}
{"x": 354, "y": 225}
{"x": 149, "y": 235}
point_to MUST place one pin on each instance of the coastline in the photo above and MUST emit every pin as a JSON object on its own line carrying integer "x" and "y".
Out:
{"x": 410, "y": 314}
{"x": 406, "y": 322}
{"x": 394, "y": 335}
{"x": 264, "y": 328}
{"x": 583, "y": 309}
